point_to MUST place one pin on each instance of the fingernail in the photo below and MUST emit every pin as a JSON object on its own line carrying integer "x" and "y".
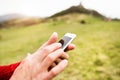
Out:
{"x": 65, "y": 60}
{"x": 55, "y": 33}
{"x": 59, "y": 44}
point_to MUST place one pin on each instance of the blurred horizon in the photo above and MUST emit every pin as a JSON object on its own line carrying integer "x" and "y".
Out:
{"x": 46, "y": 8}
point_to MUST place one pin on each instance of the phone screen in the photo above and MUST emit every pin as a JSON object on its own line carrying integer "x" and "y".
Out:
{"x": 65, "y": 41}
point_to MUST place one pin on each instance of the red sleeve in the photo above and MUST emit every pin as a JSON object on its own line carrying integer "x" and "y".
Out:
{"x": 7, "y": 71}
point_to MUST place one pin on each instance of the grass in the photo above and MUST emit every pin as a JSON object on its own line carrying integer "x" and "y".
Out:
{"x": 97, "y": 52}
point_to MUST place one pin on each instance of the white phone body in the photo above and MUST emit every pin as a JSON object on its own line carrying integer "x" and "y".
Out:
{"x": 67, "y": 39}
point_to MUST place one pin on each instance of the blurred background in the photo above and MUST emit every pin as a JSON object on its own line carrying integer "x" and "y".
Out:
{"x": 26, "y": 24}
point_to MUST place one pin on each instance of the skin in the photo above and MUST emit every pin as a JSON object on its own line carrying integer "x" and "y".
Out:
{"x": 44, "y": 64}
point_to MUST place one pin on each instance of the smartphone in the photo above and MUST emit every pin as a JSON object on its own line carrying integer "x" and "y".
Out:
{"x": 66, "y": 40}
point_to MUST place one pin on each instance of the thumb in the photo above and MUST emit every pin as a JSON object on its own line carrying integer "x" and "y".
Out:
{"x": 53, "y": 38}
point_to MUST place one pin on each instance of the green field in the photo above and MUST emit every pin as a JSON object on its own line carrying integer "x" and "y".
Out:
{"x": 97, "y": 53}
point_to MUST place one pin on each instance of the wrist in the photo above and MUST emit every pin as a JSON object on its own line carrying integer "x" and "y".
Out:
{"x": 22, "y": 70}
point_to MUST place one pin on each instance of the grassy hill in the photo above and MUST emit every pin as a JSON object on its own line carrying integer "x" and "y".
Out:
{"x": 97, "y": 52}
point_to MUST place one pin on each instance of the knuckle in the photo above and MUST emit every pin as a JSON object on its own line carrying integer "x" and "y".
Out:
{"x": 46, "y": 50}
{"x": 50, "y": 58}
{"x": 53, "y": 73}
{"x": 56, "y": 45}
{"x": 61, "y": 51}
{"x": 66, "y": 55}
{"x": 58, "y": 60}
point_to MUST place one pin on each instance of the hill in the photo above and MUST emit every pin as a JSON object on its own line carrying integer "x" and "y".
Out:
{"x": 8, "y": 17}
{"x": 78, "y": 9}
{"x": 18, "y": 20}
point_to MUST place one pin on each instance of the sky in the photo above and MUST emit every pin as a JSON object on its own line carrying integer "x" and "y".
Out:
{"x": 45, "y": 8}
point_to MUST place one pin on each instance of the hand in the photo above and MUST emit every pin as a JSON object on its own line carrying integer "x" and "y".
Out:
{"x": 36, "y": 66}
